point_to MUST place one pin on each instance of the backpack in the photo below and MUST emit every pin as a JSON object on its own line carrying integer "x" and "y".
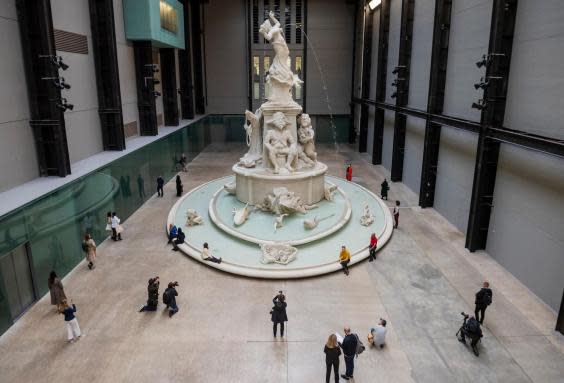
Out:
{"x": 487, "y": 299}
{"x": 359, "y": 346}
{"x": 84, "y": 247}
{"x": 472, "y": 326}
{"x": 166, "y": 297}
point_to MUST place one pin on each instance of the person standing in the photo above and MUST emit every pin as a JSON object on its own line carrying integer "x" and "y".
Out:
{"x": 56, "y": 291}
{"x": 350, "y": 341}
{"x": 384, "y": 187}
{"x": 396, "y": 214}
{"x": 152, "y": 295}
{"x": 89, "y": 247}
{"x": 116, "y": 227}
{"x": 169, "y": 298}
{"x": 73, "y": 329}
{"x": 184, "y": 162}
{"x": 332, "y": 353}
{"x": 109, "y": 223}
{"x": 179, "y": 186}
{"x": 207, "y": 255}
{"x": 372, "y": 247}
{"x": 349, "y": 173}
{"x": 344, "y": 259}
{"x": 483, "y": 300}
{"x": 160, "y": 185}
{"x": 180, "y": 237}
{"x": 278, "y": 313}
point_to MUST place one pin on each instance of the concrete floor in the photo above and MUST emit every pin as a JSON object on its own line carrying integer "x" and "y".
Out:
{"x": 420, "y": 282}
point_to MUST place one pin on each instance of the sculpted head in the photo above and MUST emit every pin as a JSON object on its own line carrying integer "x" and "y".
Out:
{"x": 279, "y": 120}
{"x": 265, "y": 27}
{"x": 305, "y": 120}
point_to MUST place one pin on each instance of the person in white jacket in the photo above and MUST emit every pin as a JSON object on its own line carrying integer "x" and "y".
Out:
{"x": 116, "y": 228}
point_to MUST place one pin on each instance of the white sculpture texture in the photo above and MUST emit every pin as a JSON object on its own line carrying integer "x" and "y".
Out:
{"x": 241, "y": 215}
{"x": 311, "y": 224}
{"x": 306, "y": 136}
{"x": 328, "y": 192}
{"x": 283, "y": 201}
{"x": 367, "y": 218}
{"x": 193, "y": 218}
{"x": 280, "y": 253}
{"x": 279, "y": 144}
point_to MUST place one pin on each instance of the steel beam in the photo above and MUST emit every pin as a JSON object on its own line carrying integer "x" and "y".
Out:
{"x": 366, "y": 69}
{"x": 197, "y": 36}
{"x": 143, "y": 54}
{"x": 435, "y": 101}
{"x": 186, "y": 90}
{"x": 381, "y": 72}
{"x": 352, "y": 131}
{"x": 47, "y": 120}
{"x": 499, "y": 58}
{"x": 402, "y": 80}
{"x": 168, "y": 85}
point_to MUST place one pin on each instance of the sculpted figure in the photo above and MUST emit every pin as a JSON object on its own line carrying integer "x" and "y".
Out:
{"x": 253, "y": 132}
{"x": 279, "y": 221}
{"x": 311, "y": 224}
{"x": 279, "y": 142}
{"x": 278, "y": 253}
{"x": 193, "y": 218}
{"x": 328, "y": 191}
{"x": 367, "y": 218}
{"x": 241, "y": 215}
{"x": 306, "y": 137}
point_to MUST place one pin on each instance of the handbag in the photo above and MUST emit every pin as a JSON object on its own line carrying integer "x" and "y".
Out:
{"x": 119, "y": 229}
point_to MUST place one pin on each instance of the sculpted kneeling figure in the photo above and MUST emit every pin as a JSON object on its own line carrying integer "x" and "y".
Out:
{"x": 280, "y": 143}
{"x": 306, "y": 137}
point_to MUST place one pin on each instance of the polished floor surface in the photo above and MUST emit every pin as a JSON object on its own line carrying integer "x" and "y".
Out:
{"x": 420, "y": 283}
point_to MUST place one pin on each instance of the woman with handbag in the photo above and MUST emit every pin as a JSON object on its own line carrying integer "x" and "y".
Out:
{"x": 56, "y": 290}
{"x": 89, "y": 247}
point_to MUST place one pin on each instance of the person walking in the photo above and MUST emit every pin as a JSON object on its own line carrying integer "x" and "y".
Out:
{"x": 56, "y": 291}
{"x": 344, "y": 259}
{"x": 160, "y": 185}
{"x": 207, "y": 255}
{"x": 372, "y": 247}
{"x": 180, "y": 237}
{"x": 349, "y": 345}
{"x": 384, "y": 187}
{"x": 348, "y": 173}
{"x": 396, "y": 214}
{"x": 116, "y": 227}
{"x": 89, "y": 248}
{"x": 169, "y": 298}
{"x": 73, "y": 329}
{"x": 278, "y": 313}
{"x": 152, "y": 295}
{"x": 483, "y": 300}
{"x": 332, "y": 353}
{"x": 183, "y": 162}
{"x": 179, "y": 186}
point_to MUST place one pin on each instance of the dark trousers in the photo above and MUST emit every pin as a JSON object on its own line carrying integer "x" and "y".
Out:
{"x": 217, "y": 260}
{"x": 473, "y": 339}
{"x": 160, "y": 192}
{"x": 482, "y": 310}
{"x": 384, "y": 195}
{"x": 148, "y": 308}
{"x": 345, "y": 265}
{"x": 173, "y": 309}
{"x": 115, "y": 234}
{"x": 349, "y": 363}
{"x": 372, "y": 252}
{"x": 396, "y": 221}
{"x": 275, "y": 326}
{"x": 335, "y": 366}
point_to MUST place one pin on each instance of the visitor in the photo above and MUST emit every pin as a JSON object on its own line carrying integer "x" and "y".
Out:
{"x": 332, "y": 353}
{"x": 160, "y": 185}
{"x": 483, "y": 300}
{"x": 172, "y": 232}
{"x": 207, "y": 255}
{"x": 349, "y": 346}
{"x": 349, "y": 173}
{"x": 179, "y": 186}
{"x": 396, "y": 214}
{"x": 377, "y": 336}
{"x": 152, "y": 295}
{"x": 344, "y": 259}
{"x": 169, "y": 298}
{"x": 384, "y": 187}
{"x": 56, "y": 291}
{"x": 109, "y": 223}
{"x": 471, "y": 328}
{"x": 372, "y": 247}
{"x": 179, "y": 240}
{"x": 89, "y": 248}
{"x": 183, "y": 162}
{"x": 116, "y": 227}
{"x": 73, "y": 329}
{"x": 278, "y": 313}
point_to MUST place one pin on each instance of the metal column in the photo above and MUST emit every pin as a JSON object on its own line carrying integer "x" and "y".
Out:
{"x": 366, "y": 69}
{"x": 497, "y": 74}
{"x": 402, "y": 93}
{"x": 107, "y": 73}
{"x": 185, "y": 67}
{"x": 143, "y": 53}
{"x": 435, "y": 101}
{"x": 47, "y": 120}
{"x": 168, "y": 82}
{"x": 197, "y": 34}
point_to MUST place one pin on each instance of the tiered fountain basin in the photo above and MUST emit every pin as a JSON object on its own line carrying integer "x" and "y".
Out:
{"x": 318, "y": 249}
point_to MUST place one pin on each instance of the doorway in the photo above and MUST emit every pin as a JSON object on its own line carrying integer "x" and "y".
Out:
{"x": 16, "y": 272}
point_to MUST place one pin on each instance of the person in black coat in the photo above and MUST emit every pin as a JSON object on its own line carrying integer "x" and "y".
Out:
{"x": 384, "y": 187}
{"x": 349, "y": 344}
{"x": 179, "y": 186}
{"x": 278, "y": 313}
{"x": 483, "y": 300}
{"x": 160, "y": 185}
{"x": 180, "y": 237}
{"x": 332, "y": 353}
{"x": 153, "y": 295}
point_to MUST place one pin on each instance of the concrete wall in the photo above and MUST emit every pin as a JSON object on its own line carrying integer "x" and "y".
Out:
{"x": 330, "y": 25}
{"x": 526, "y": 230}
{"x": 82, "y": 123}
{"x": 226, "y": 56}
{"x": 17, "y": 147}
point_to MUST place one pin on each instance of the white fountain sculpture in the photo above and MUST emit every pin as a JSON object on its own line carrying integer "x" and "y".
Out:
{"x": 280, "y": 253}
{"x": 367, "y": 217}
{"x": 193, "y": 218}
{"x": 280, "y": 154}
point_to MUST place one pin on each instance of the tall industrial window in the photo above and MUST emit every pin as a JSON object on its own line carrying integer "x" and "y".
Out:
{"x": 290, "y": 15}
{"x": 169, "y": 17}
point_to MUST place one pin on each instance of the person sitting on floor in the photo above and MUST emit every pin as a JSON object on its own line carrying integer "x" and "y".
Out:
{"x": 172, "y": 232}
{"x": 180, "y": 237}
{"x": 207, "y": 256}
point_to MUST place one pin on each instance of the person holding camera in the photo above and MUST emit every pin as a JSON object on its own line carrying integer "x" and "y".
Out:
{"x": 349, "y": 346}
{"x": 169, "y": 298}
{"x": 483, "y": 300}
{"x": 470, "y": 328}
{"x": 153, "y": 295}
{"x": 278, "y": 313}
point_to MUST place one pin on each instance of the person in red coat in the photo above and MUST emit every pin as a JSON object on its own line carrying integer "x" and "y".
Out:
{"x": 372, "y": 247}
{"x": 349, "y": 173}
